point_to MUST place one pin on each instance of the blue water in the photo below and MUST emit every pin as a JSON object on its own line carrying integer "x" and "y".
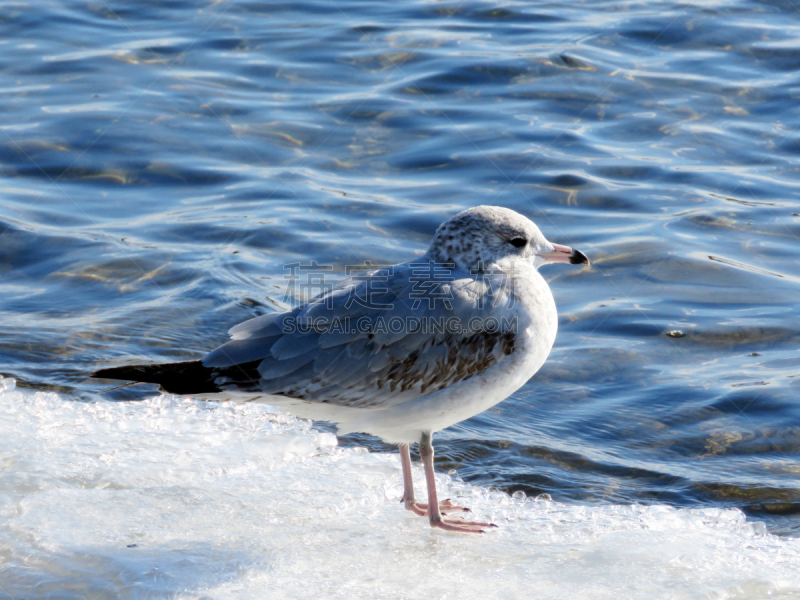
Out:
{"x": 160, "y": 163}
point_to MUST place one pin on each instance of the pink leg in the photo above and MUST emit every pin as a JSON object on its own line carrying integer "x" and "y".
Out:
{"x": 408, "y": 489}
{"x": 408, "y": 484}
{"x": 434, "y": 514}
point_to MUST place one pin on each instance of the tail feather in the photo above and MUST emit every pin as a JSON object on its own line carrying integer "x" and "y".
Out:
{"x": 189, "y": 377}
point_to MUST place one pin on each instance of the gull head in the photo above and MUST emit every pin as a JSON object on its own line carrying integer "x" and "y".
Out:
{"x": 488, "y": 238}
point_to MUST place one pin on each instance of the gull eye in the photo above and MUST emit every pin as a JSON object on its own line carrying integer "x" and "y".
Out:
{"x": 518, "y": 242}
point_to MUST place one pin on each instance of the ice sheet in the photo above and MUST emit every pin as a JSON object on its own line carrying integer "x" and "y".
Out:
{"x": 183, "y": 499}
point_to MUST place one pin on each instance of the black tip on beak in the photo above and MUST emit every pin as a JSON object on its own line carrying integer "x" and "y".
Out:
{"x": 578, "y": 258}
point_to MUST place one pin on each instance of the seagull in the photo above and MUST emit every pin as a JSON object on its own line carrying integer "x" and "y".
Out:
{"x": 397, "y": 352}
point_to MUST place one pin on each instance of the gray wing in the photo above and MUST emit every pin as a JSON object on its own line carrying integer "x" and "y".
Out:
{"x": 380, "y": 339}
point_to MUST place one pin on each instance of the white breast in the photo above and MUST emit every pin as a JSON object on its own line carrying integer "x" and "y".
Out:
{"x": 537, "y": 321}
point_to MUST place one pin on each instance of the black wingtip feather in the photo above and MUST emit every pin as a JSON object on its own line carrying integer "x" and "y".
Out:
{"x": 189, "y": 377}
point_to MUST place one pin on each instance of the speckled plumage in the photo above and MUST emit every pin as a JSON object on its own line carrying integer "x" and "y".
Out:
{"x": 478, "y": 237}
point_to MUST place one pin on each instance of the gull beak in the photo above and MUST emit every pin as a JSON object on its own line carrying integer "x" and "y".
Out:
{"x": 564, "y": 254}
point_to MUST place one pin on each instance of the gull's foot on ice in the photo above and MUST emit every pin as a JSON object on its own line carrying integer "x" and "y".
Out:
{"x": 445, "y": 507}
{"x": 461, "y": 526}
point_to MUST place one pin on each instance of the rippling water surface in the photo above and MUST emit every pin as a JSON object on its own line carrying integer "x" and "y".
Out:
{"x": 160, "y": 163}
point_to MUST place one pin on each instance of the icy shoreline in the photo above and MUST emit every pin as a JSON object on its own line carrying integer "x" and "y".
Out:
{"x": 176, "y": 498}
